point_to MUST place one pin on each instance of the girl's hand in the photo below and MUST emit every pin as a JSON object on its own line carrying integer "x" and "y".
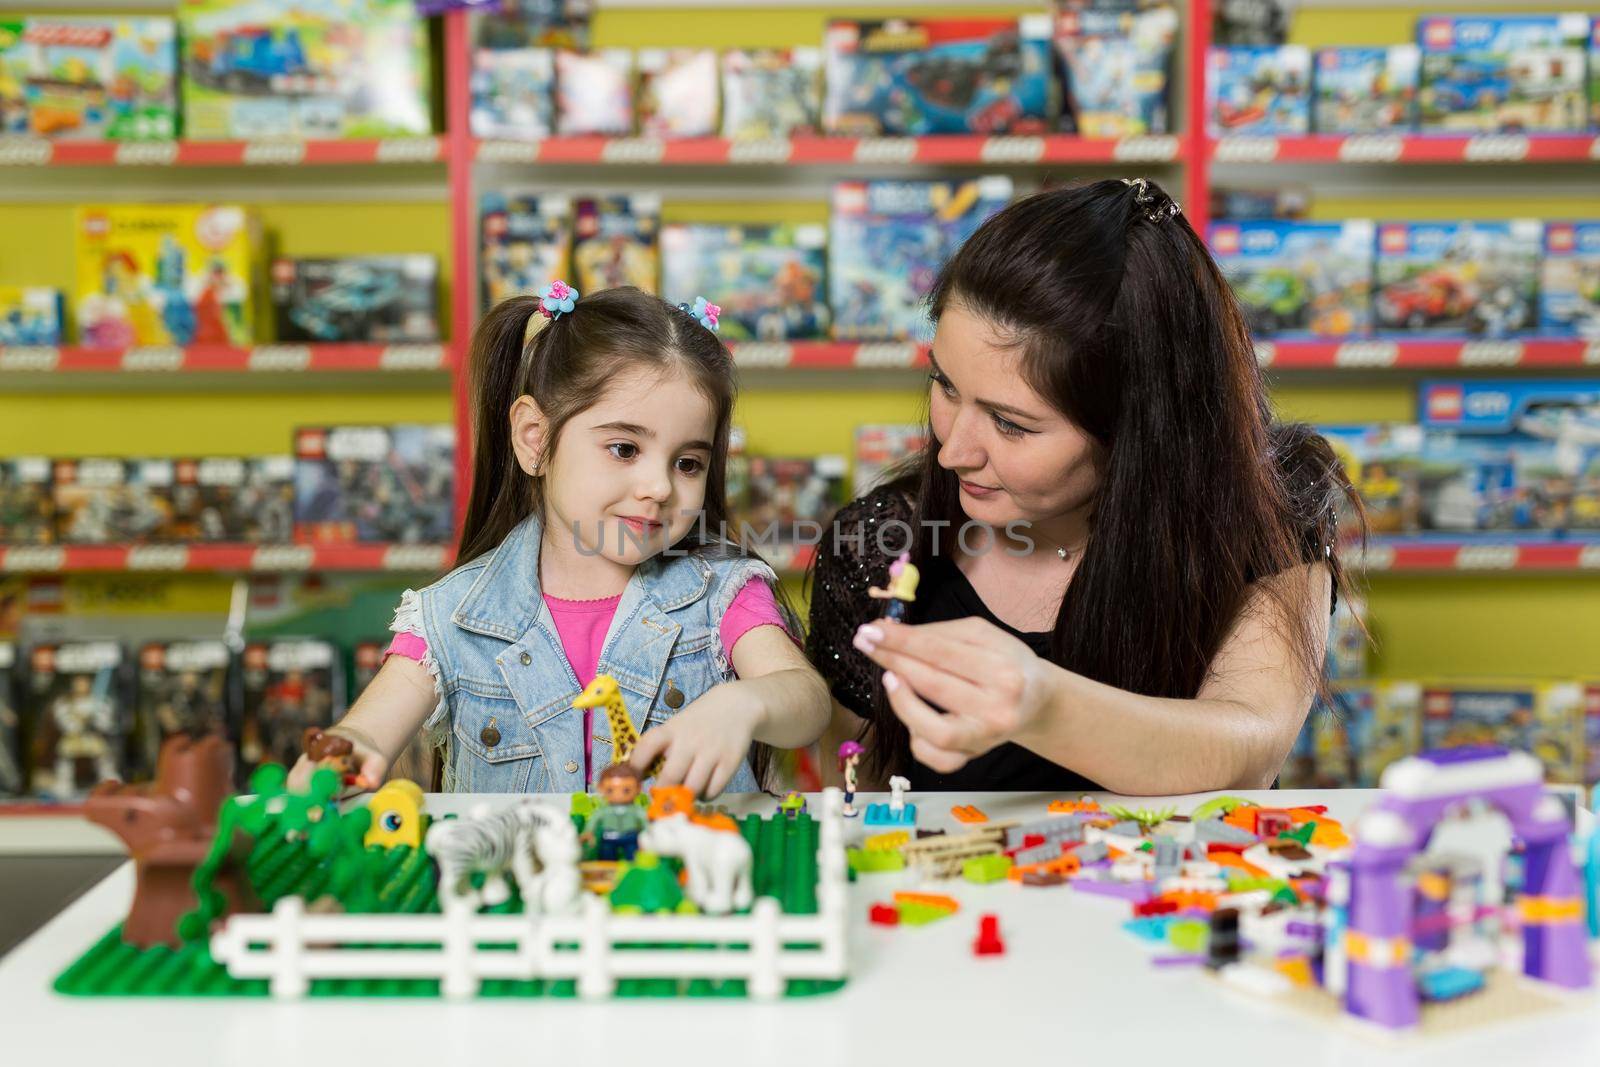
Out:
{"x": 372, "y": 766}
{"x": 992, "y": 686}
{"x": 705, "y": 743}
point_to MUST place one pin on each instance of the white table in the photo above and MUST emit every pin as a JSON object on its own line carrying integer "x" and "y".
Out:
{"x": 1072, "y": 988}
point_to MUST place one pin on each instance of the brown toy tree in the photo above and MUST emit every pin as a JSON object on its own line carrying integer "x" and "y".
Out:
{"x": 168, "y": 826}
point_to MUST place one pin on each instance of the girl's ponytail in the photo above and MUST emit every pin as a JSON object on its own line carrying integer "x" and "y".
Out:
{"x": 500, "y": 498}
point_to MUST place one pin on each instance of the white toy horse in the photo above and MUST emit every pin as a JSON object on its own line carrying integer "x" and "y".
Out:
{"x": 718, "y": 861}
{"x": 897, "y": 795}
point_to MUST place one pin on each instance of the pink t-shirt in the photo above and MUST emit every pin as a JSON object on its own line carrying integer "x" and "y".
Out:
{"x": 582, "y": 626}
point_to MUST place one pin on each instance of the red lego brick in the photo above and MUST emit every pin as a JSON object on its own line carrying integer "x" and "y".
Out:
{"x": 884, "y": 915}
{"x": 988, "y": 942}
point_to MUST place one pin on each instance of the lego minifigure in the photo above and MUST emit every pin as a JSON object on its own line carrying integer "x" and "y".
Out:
{"x": 849, "y": 755}
{"x": 613, "y": 828}
{"x": 86, "y": 720}
{"x": 902, "y": 590}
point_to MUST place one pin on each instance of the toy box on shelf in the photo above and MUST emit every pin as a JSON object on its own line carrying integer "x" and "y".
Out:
{"x": 1569, "y": 280}
{"x": 183, "y": 688}
{"x": 1116, "y": 59}
{"x": 787, "y": 497}
{"x": 1519, "y": 455}
{"x": 616, "y": 241}
{"x": 27, "y": 501}
{"x": 881, "y": 448}
{"x": 1353, "y": 733}
{"x": 30, "y": 316}
{"x": 232, "y": 499}
{"x": 1543, "y": 718}
{"x": 513, "y": 92}
{"x": 1365, "y": 90}
{"x": 678, "y": 92}
{"x": 287, "y": 684}
{"x": 887, "y": 242}
{"x": 1591, "y": 732}
{"x": 13, "y": 776}
{"x": 1348, "y": 639}
{"x": 1522, "y": 73}
{"x": 335, "y": 69}
{"x": 389, "y": 484}
{"x": 1306, "y": 279}
{"x": 1383, "y": 462}
{"x": 384, "y": 299}
{"x": 88, "y": 79}
{"x": 1458, "y": 277}
{"x": 77, "y": 709}
{"x": 766, "y": 279}
{"x": 594, "y": 93}
{"x": 771, "y": 93}
{"x": 112, "y": 501}
{"x": 906, "y": 77}
{"x": 165, "y": 275}
{"x": 1258, "y": 90}
{"x": 527, "y": 243}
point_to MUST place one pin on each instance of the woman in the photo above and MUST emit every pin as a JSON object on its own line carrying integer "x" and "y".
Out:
{"x": 1151, "y": 614}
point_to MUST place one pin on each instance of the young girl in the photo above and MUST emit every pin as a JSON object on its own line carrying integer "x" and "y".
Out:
{"x": 592, "y": 545}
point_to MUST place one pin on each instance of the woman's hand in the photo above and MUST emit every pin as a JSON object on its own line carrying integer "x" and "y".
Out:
{"x": 990, "y": 685}
{"x": 705, "y": 743}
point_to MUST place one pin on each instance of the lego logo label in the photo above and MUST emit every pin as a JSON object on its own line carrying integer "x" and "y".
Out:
{"x": 632, "y": 150}
{"x": 24, "y": 152}
{"x": 274, "y": 153}
{"x": 408, "y": 150}
{"x": 33, "y": 559}
{"x": 1496, "y": 148}
{"x": 1491, "y": 353}
{"x": 158, "y": 558}
{"x": 1145, "y": 150}
{"x": 283, "y": 558}
{"x": 1266, "y": 352}
{"x": 1372, "y": 149}
{"x": 413, "y": 558}
{"x": 358, "y": 442}
{"x": 892, "y": 355}
{"x": 147, "y": 153}
{"x": 280, "y": 358}
{"x": 1012, "y": 150}
{"x": 763, "y": 355}
{"x": 1366, "y": 354}
{"x": 29, "y": 357}
{"x": 763, "y": 151}
{"x": 154, "y": 358}
{"x": 1247, "y": 150}
{"x": 1486, "y": 558}
{"x": 509, "y": 152}
{"x": 886, "y": 150}
{"x": 412, "y": 357}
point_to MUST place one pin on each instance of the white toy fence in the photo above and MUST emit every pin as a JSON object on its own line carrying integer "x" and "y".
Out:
{"x": 765, "y": 947}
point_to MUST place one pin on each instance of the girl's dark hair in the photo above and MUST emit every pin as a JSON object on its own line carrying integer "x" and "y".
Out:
{"x": 1124, "y": 323}
{"x": 566, "y": 368}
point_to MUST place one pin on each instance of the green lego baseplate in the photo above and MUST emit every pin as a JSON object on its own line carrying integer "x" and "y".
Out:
{"x": 301, "y": 844}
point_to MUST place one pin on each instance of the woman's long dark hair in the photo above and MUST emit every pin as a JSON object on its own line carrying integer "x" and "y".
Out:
{"x": 1125, "y": 324}
{"x": 566, "y": 368}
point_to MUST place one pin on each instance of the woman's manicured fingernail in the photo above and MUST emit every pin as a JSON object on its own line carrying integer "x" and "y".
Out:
{"x": 890, "y": 682}
{"x": 863, "y": 645}
{"x": 870, "y": 632}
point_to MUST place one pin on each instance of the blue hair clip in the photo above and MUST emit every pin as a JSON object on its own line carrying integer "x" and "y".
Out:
{"x": 556, "y": 299}
{"x": 704, "y": 312}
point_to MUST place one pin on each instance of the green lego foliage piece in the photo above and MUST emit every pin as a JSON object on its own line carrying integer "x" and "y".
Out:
{"x": 582, "y": 805}
{"x": 647, "y": 886}
{"x": 1286, "y": 895}
{"x": 1219, "y": 806}
{"x": 986, "y": 869}
{"x": 914, "y": 914}
{"x": 1301, "y": 833}
{"x": 870, "y": 862}
{"x": 1145, "y": 817}
{"x": 1188, "y": 935}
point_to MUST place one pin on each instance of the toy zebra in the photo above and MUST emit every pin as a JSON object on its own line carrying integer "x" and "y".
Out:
{"x": 492, "y": 840}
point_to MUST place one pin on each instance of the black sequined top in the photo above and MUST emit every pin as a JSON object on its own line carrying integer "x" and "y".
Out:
{"x": 847, "y": 566}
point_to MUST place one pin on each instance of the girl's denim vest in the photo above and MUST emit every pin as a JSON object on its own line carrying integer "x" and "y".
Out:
{"x": 505, "y": 716}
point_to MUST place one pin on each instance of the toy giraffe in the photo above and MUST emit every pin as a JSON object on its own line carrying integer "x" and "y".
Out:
{"x": 603, "y": 693}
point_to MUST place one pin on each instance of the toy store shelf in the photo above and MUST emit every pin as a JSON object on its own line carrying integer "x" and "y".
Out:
{"x": 1402, "y": 148}
{"x": 833, "y": 151}
{"x": 1427, "y": 353}
{"x": 1477, "y": 555}
{"x": 223, "y": 360}
{"x": 828, "y": 355}
{"x": 222, "y": 557}
{"x": 36, "y": 152}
